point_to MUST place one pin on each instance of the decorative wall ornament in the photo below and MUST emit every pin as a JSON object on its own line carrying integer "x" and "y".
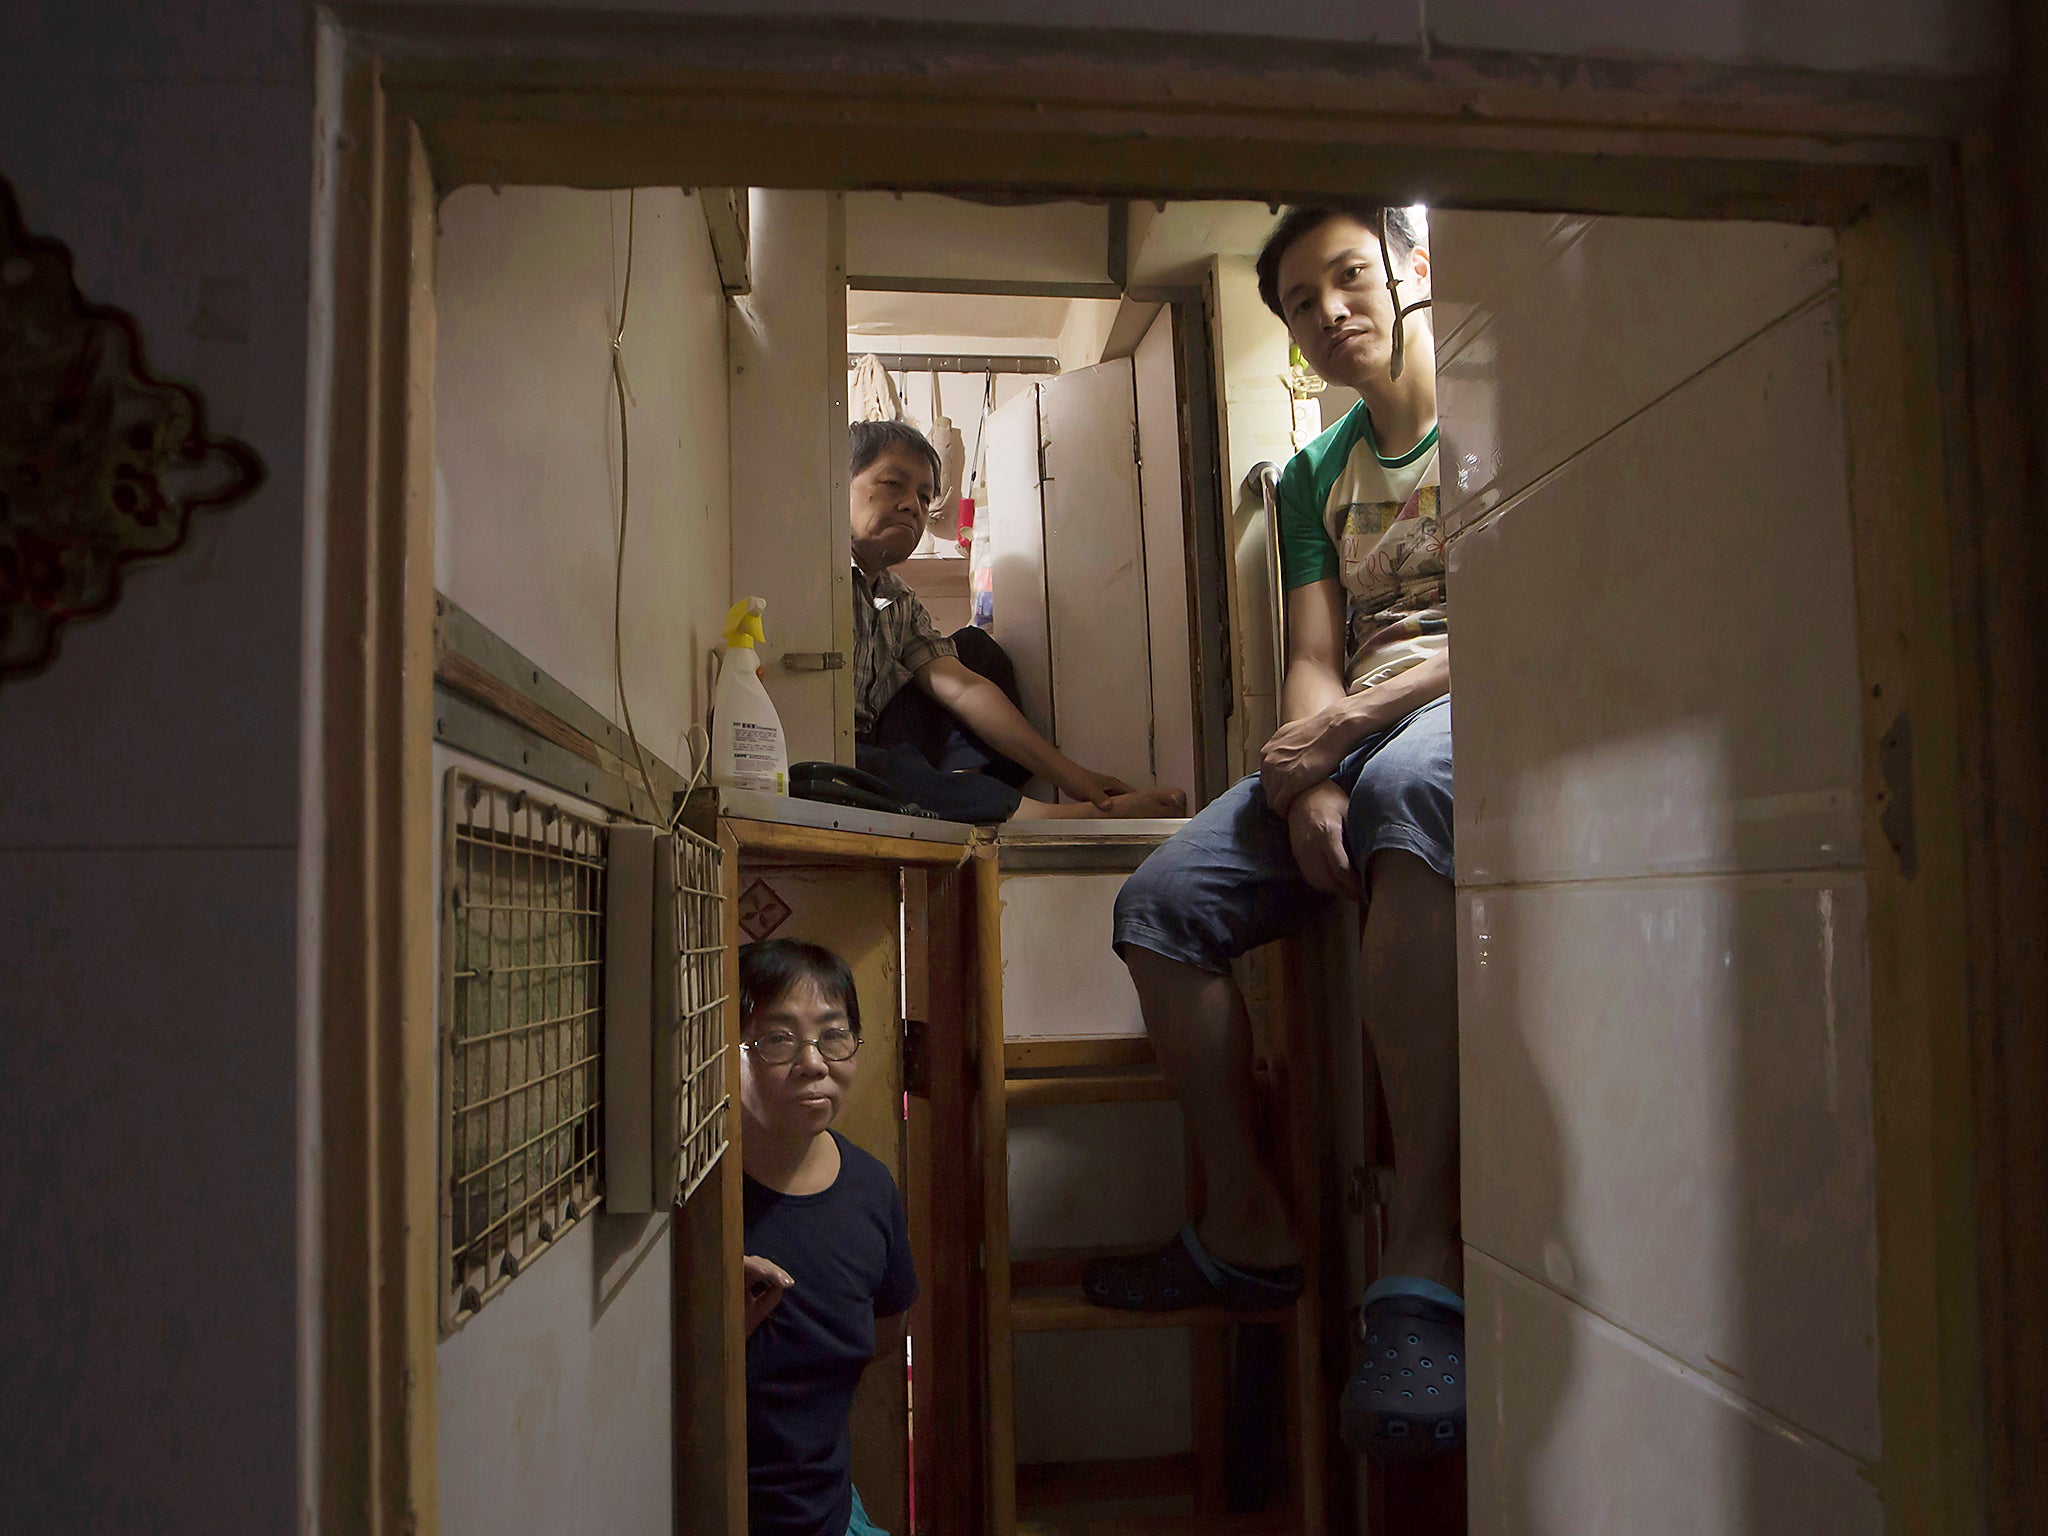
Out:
{"x": 100, "y": 464}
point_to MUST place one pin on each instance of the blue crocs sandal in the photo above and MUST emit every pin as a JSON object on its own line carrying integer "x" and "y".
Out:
{"x": 1407, "y": 1399}
{"x": 1183, "y": 1274}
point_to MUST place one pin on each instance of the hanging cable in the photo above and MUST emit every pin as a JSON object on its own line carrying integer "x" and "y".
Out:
{"x": 1399, "y": 358}
{"x": 619, "y": 392}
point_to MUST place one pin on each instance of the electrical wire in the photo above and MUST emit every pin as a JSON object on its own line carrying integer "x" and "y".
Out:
{"x": 1398, "y": 359}
{"x": 619, "y": 566}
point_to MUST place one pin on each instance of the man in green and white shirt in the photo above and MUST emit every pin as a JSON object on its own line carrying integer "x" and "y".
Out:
{"x": 1369, "y": 518}
{"x": 1352, "y": 800}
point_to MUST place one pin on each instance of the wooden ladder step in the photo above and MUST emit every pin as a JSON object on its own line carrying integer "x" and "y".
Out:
{"x": 1068, "y": 1311}
{"x": 1068, "y": 1052}
{"x": 1086, "y": 1088}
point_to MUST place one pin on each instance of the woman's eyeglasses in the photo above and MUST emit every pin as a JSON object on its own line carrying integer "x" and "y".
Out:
{"x": 780, "y": 1049}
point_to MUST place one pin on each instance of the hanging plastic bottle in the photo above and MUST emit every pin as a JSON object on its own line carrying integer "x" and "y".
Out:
{"x": 748, "y": 750}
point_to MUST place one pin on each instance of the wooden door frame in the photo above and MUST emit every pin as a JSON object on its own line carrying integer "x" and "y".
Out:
{"x": 1916, "y": 175}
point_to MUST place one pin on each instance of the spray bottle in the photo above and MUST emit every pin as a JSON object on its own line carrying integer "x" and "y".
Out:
{"x": 747, "y": 747}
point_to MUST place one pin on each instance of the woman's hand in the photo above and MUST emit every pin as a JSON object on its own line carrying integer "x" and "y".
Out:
{"x": 1298, "y": 756}
{"x": 1098, "y": 789}
{"x": 765, "y": 1282}
{"x": 1315, "y": 829}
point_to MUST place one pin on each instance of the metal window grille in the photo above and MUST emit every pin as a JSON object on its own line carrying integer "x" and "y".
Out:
{"x": 700, "y": 1089}
{"x": 523, "y": 1025}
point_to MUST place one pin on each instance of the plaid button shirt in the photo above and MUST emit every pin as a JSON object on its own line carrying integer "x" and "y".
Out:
{"x": 893, "y": 637}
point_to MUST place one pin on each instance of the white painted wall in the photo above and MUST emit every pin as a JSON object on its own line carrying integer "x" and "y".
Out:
{"x": 556, "y": 1408}
{"x": 790, "y": 539}
{"x": 151, "y": 805}
{"x": 526, "y": 465}
{"x": 919, "y": 236}
{"x": 554, "y": 1404}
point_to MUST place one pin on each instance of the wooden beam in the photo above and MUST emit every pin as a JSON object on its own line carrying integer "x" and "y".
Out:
{"x": 1904, "y": 498}
{"x": 1065, "y": 1311}
{"x": 1077, "y": 1051}
{"x": 725, "y": 216}
{"x": 1088, "y": 1088}
{"x": 827, "y": 845}
{"x": 1001, "y": 1441}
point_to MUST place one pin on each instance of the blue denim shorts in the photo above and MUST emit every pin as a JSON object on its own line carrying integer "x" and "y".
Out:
{"x": 1227, "y": 882}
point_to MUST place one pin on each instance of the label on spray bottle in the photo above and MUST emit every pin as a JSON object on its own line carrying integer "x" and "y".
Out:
{"x": 754, "y": 751}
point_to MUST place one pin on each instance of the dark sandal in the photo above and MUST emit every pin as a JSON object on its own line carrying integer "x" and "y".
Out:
{"x": 1407, "y": 1399}
{"x": 1182, "y": 1274}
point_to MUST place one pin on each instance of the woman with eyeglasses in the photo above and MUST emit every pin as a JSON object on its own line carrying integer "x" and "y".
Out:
{"x": 827, "y": 1245}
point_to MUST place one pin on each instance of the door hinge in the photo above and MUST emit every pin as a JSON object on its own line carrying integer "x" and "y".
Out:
{"x": 916, "y": 1057}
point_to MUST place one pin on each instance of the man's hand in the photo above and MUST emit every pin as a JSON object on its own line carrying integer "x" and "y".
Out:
{"x": 765, "y": 1283}
{"x": 1098, "y": 789}
{"x": 1315, "y": 828}
{"x": 1298, "y": 756}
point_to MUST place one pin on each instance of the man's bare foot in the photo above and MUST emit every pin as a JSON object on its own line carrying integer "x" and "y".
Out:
{"x": 1146, "y": 803}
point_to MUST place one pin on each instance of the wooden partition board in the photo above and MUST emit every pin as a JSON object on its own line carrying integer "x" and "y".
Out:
{"x": 709, "y": 1339}
{"x": 856, "y": 911}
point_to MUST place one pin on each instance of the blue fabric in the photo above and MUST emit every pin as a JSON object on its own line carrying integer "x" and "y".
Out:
{"x": 848, "y": 1250}
{"x": 936, "y": 763}
{"x": 1227, "y": 882}
{"x": 959, "y": 794}
{"x": 858, "y": 1523}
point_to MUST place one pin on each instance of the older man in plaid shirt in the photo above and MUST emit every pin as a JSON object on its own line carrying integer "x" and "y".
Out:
{"x": 936, "y": 716}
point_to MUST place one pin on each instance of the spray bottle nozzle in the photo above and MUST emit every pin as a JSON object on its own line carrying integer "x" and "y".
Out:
{"x": 743, "y": 628}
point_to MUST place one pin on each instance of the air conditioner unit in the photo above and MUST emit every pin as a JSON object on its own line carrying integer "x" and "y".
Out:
{"x": 667, "y": 987}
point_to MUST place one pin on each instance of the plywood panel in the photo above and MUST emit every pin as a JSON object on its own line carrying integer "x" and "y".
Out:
{"x": 1166, "y": 559}
{"x": 1656, "y": 649}
{"x": 1577, "y": 1426}
{"x": 1137, "y": 1403}
{"x": 1059, "y": 1194}
{"x": 1667, "y": 1117}
{"x": 1017, "y": 553}
{"x": 1060, "y": 977}
{"x": 1095, "y": 571}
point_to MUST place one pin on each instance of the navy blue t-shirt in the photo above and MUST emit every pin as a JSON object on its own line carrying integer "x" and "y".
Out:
{"x": 848, "y": 1250}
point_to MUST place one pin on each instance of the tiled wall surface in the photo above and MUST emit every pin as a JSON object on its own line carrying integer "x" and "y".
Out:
{"x": 1665, "y": 1026}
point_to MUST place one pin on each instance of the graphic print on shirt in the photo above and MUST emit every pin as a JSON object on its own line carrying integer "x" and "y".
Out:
{"x": 1385, "y": 564}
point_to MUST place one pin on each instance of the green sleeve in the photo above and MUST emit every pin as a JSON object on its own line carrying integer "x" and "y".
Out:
{"x": 1306, "y": 553}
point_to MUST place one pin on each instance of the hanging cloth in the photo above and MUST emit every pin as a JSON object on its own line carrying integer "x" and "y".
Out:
{"x": 873, "y": 396}
{"x": 952, "y": 452}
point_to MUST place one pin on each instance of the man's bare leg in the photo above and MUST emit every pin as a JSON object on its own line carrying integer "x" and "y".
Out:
{"x": 1410, "y": 1003}
{"x": 1203, "y": 1037}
